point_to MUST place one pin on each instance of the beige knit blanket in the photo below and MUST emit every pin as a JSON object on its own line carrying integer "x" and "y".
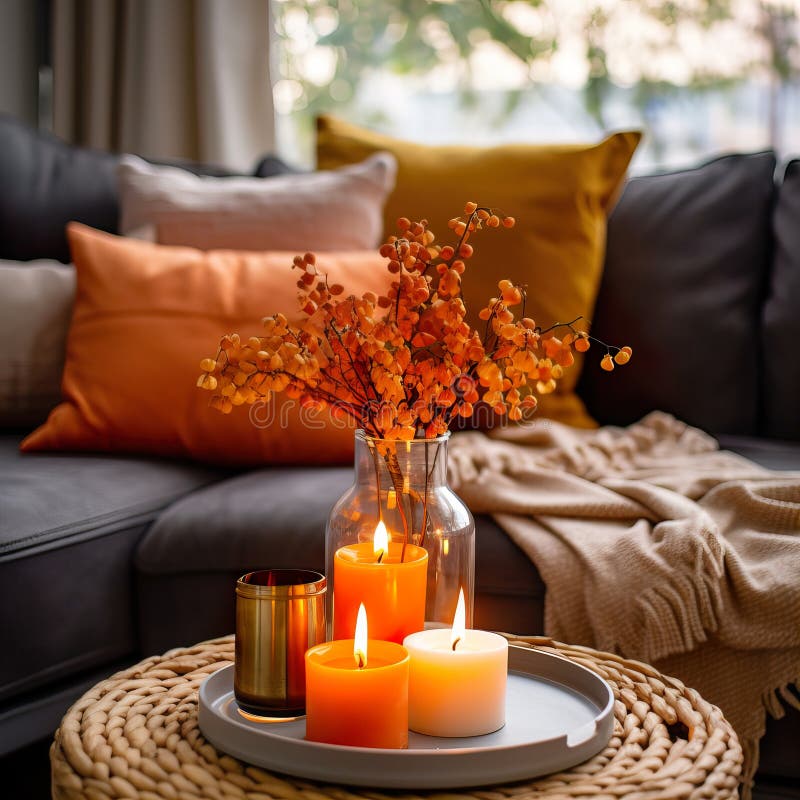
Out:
{"x": 654, "y": 544}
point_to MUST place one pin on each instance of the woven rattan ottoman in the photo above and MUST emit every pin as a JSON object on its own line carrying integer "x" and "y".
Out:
{"x": 135, "y": 735}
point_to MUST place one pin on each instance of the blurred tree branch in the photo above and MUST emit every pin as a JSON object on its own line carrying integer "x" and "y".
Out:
{"x": 417, "y": 37}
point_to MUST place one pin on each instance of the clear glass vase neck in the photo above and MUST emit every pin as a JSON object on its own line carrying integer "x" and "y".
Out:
{"x": 419, "y": 461}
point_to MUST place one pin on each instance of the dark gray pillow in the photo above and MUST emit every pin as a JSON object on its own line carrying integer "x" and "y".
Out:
{"x": 782, "y": 315}
{"x": 269, "y": 166}
{"x": 687, "y": 259}
{"x": 45, "y": 183}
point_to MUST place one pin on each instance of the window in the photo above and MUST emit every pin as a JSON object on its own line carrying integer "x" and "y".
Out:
{"x": 698, "y": 76}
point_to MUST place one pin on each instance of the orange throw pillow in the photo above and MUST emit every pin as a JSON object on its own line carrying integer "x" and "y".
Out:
{"x": 145, "y": 315}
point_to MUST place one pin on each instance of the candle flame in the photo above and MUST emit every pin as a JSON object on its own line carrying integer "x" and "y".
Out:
{"x": 380, "y": 541}
{"x": 459, "y": 621}
{"x": 360, "y": 643}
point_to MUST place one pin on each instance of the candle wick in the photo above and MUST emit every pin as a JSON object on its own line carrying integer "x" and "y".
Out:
{"x": 455, "y": 642}
{"x": 360, "y": 660}
{"x": 380, "y": 556}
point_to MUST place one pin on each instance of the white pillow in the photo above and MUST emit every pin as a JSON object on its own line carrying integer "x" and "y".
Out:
{"x": 36, "y": 300}
{"x": 335, "y": 210}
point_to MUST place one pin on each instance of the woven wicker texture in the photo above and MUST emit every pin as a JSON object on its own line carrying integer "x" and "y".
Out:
{"x": 135, "y": 735}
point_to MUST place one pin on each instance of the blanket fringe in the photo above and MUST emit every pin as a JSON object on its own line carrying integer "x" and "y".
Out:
{"x": 678, "y": 618}
{"x": 776, "y": 700}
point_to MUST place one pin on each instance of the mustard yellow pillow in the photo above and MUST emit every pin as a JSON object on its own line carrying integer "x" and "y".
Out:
{"x": 559, "y": 194}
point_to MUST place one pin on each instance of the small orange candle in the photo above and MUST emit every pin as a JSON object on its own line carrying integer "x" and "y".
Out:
{"x": 357, "y": 691}
{"x": 393, "y": 591}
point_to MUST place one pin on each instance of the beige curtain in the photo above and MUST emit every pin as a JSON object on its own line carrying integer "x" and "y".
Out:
{"x": 165, "y": 78}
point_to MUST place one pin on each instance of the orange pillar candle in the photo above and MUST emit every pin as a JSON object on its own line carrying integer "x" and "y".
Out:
{"x": 393, "y": 591}
{"x": 357, "y": 692}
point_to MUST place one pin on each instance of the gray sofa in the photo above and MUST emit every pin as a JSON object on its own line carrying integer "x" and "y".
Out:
{"x": 104, "y": 559}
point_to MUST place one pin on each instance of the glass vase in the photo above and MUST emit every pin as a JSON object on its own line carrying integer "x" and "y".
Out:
{"x": 404, "y": 485}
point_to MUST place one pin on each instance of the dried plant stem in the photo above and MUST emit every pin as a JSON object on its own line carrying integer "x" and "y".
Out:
{"x": 428, "y": 476}
{"x": 396, "y": 474}
{"x": 412, "y": 496}
{"x": 378, "y": 481}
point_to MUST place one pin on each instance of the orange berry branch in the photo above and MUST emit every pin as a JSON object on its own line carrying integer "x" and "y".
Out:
{"x": 405, "y": 364}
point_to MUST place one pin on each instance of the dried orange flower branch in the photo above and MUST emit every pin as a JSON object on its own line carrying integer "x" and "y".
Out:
{"x": 405, "y": 364}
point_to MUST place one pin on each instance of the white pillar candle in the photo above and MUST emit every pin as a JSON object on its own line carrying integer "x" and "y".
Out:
{"x": 457, "y": 680}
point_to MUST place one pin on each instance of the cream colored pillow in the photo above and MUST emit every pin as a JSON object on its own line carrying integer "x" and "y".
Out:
{"x": 337, "y": 210}
{"x": 36, "y": 300}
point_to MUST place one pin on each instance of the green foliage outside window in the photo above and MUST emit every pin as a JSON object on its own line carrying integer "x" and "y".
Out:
{"x": 650, "y": 47}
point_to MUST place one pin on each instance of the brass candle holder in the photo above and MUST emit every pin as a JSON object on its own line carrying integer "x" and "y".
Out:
{"x": 280, "y": 613}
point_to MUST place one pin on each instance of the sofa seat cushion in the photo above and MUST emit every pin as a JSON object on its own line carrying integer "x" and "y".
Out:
{"x": 68, "y": 528}
{"x": 189, "y": 561}
{"x": 769, "y": 453}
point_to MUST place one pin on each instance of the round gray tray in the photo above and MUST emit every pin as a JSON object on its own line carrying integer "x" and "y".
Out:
{"x": 558, "y": 714}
